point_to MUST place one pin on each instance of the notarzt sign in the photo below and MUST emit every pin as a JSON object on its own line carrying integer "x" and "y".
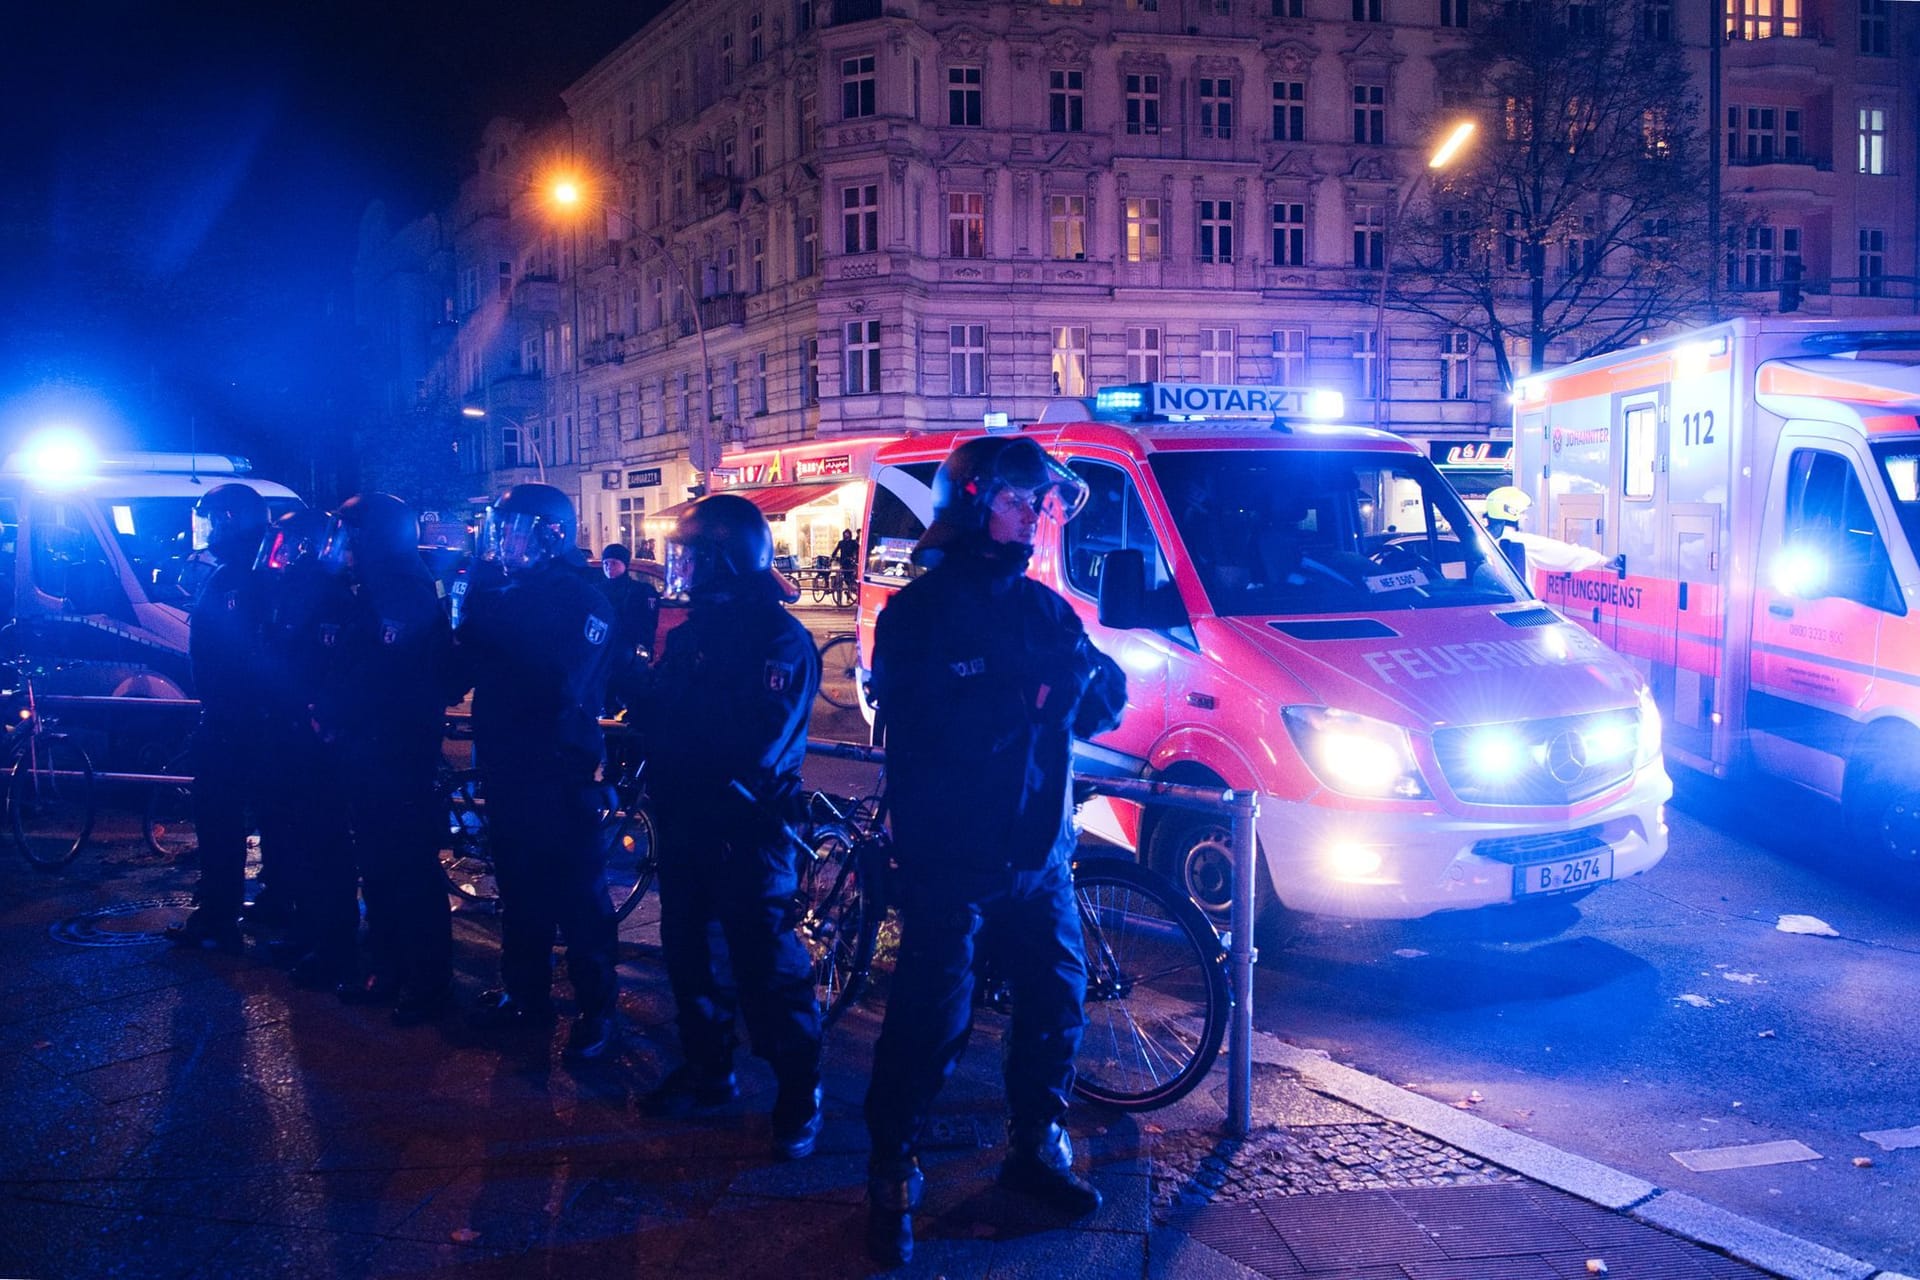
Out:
{"x": 1172, "y": 401}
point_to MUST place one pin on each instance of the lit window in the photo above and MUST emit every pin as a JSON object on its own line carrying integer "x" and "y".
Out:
{"x": 1143, "y": 229}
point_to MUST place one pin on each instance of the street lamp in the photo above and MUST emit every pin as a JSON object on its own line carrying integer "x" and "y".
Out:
{"x": 1442, "y": 156}
{"x": 703, "y": 451}
{"x": 527, "y": 441}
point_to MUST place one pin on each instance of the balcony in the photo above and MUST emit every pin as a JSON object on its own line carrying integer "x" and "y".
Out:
{"x": 726, "y": 310}
{"x": 537, "y": 295}
{"x": 847, "y": 11}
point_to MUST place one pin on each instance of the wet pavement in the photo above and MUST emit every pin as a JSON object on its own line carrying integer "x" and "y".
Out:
{"x": 182, "y": 1114}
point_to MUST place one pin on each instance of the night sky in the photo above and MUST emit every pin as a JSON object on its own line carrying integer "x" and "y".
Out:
{"x": 184, "y": 184}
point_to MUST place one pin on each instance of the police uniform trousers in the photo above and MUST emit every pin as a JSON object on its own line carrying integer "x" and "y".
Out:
{"x": 397, "y": 829}
{"x": 1028, "y": 923}
{"x": 738, "y": 877}
{"x": 549, "y": 856}
{"x": 304, "y": 832}
{"x": 227, "y": 780}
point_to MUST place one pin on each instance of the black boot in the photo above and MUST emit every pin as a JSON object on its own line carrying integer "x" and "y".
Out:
{"x": 796, "y": 1120}
{"x": 892, "y": 1196}
{"x": 1040, "y": 1165}
{"x": 205, "y": 930}
{"x": 690, "y": 1088}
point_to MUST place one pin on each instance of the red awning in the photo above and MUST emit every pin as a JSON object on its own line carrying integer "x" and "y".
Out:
{"x": 780, "y": 499}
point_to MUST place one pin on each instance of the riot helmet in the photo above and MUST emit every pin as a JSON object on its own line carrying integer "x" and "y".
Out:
{"x": 228, "y": 522}
{"x": 997, "y": 470}
{"x": 534, "y": 522}
{"x": 298, "y": 537}
{"x": 721, "y": 541}
{"x": 372, "y": 527}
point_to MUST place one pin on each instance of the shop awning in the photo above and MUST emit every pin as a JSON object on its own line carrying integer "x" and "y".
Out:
{"x": 780, "y": 499}
{"x": 775, "y": 500}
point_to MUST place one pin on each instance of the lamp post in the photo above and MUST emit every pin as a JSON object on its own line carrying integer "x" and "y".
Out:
{"x": 526, "y": 437}
{"x": 1442, "y": 156}
{"x": 703, "y": 451}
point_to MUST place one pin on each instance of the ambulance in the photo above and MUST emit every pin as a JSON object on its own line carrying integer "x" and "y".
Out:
{"x": 1760, "y": 480}
{"x": 99, "y": 562}
{"x": 1309, "y": 611}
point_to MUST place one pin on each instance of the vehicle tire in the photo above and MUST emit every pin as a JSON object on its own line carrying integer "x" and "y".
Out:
{"x": 464, "y": 858}
{"x": 1195, "y": 851}
{"x": 1157, "y": 991}
{"x": 837, "y": 920}
{"x": 50, "y": 799}
{"x": 1881, "y": 803}
{"x": 840, "y": 672}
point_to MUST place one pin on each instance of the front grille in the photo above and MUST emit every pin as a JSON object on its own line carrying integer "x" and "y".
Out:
{"x": 1551, "y": 759}
{"x": 1517, "y": 851}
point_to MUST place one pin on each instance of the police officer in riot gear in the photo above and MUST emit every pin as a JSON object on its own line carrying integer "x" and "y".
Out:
{"x": 982, "y": 677}
{"x": 727, "y": 715}
{"x": 383, "y": 726}
{"x": 537, "y": 651}
{"x": 304, "y": 824}
{"x": 224, "y": 647}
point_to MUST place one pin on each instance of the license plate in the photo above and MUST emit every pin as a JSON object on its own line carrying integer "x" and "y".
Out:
{"x": 1574, "y": 872}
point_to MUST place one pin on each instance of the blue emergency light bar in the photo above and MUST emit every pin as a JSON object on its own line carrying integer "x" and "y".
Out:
{"x": 1198, "y": 401}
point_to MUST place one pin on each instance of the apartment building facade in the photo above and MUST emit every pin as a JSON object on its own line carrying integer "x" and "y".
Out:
{"x": 803, "y": 219}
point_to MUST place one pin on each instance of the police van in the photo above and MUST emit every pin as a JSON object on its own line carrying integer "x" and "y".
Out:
{"x": 1760, "y": 482}
{"x": 1309, "y": 610}
{"x": 101, "y": 565}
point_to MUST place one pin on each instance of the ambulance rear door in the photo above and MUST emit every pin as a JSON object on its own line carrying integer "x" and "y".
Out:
{"x": 1825, "y": 583}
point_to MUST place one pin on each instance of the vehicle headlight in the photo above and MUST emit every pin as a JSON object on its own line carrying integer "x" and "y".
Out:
{"x": 1356, "y": 755}
{"x": 1647, "y": 748}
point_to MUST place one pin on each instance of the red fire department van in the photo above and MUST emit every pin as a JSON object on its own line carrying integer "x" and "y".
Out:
{"x": 1761, "y": 481}
{"x": 1310, "y": 610}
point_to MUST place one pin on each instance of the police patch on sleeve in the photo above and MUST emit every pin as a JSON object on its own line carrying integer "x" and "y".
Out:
{"x": 779, "y": 676}
{"x": 389, "y": 632}
{"x": 596, "y": 629}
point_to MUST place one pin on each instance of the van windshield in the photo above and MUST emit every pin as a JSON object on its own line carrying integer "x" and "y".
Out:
{"x": 156, "y": 536}
{"x": 1285, "y": 532}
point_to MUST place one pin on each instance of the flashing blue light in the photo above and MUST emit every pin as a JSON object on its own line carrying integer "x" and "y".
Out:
{"x": 1116, "y": 400}
{"x": 57, "y": 454}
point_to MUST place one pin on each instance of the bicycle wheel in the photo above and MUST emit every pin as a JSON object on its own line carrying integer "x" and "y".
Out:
{"x": 836, "y": 926}
{"x": 845, "y": 594}
{"x": 50, "y": 798}
{"x": 840, "y": 672}
{"x": 464, "y": 858}
{"x": 1157, "y": 992}
{"x": 630, "y": 861}
{"x": 819, "y": 588}
{"x": 169, "y": 828}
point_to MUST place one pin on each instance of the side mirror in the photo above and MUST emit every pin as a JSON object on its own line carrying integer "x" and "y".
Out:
{"x": 1516, "y": 555}
{"x": 1123, "y": 590}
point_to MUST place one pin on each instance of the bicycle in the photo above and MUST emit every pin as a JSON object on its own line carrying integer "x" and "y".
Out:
{"x": 840, "y": 670}
{"x": 835, "y": 584}
{"x": 627, "y": 827}
{"x": 1158, "y": 996}
{"x": 50, "y": 801}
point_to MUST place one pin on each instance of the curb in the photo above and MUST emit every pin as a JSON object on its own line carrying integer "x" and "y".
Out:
{"x": 1679, "y": 1214}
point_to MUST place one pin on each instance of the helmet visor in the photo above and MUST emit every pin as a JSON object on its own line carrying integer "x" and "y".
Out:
{"x": 516, "y": 539}
{"x": 684, "y": 564}
{"x": 1040, "y": 483}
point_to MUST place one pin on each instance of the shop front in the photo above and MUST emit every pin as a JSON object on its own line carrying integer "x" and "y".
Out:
{"x": 812, "y": 494}
{"x": 619, "y": 503}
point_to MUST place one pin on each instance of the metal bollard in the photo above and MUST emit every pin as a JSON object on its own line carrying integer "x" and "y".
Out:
{"x": 1241, "y": 955}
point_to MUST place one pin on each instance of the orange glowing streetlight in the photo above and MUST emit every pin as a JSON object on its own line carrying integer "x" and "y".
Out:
{"x": 1443, "y": 155}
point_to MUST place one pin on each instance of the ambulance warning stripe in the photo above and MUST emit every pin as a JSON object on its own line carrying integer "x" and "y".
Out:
{"x": 1813, "y": 659}
{"x": 1644, "y": 373}
{"x": 1782, "y": 379}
